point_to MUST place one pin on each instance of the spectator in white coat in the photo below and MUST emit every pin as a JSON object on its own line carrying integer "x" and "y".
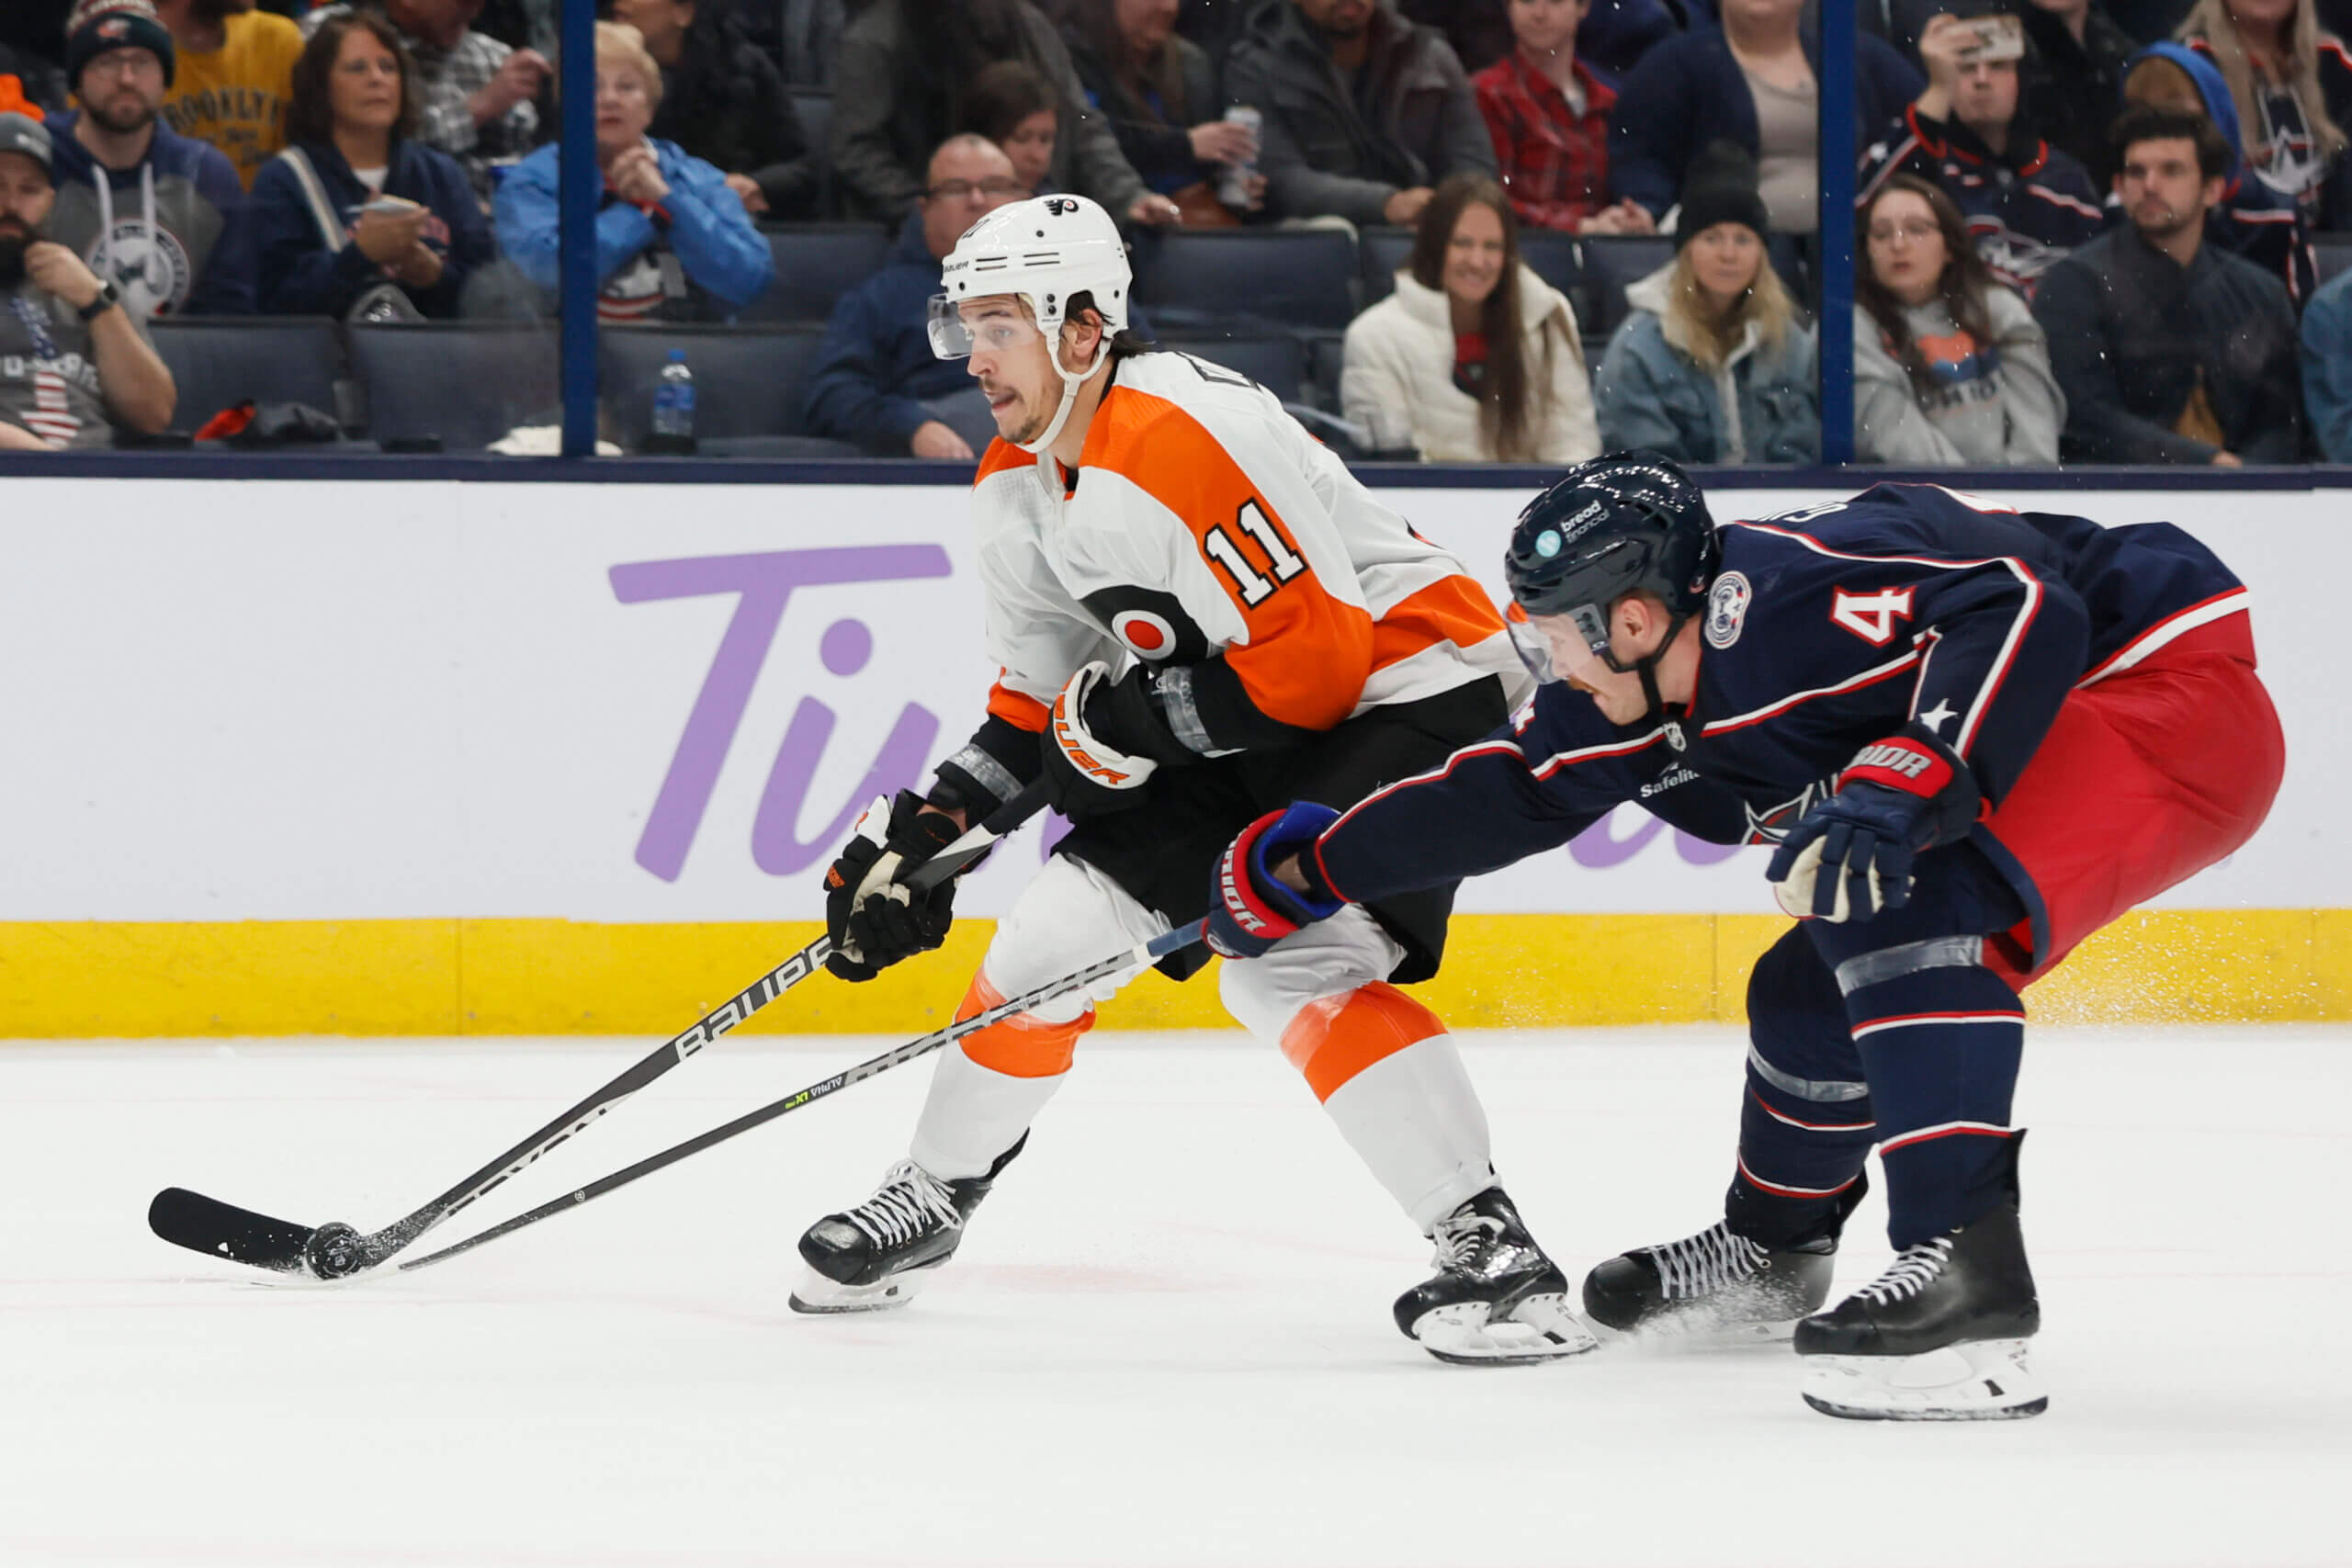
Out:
{"x": 1474, "y": 358}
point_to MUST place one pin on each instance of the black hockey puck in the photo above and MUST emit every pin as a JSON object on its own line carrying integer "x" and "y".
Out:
{"x": 333, "y": 1251}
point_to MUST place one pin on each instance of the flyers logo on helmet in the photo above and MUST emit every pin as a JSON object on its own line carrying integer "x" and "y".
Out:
{"x": 1060, "y": 206}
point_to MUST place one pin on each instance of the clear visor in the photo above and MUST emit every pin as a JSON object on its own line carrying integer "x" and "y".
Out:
{"x": 1555, "y": 647}
{"x": 961, "y": 328}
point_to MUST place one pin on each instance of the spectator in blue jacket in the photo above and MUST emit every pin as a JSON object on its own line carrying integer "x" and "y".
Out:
{"x": 1754, "y": 83}
{"x": 876, "y": 381}
{"x": 2327, "y": 367}
{"x": 672, "y": 242}
{"x": 323, "y": 236}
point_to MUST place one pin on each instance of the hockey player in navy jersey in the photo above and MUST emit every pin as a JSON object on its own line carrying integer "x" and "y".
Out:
{"x": 1975, "y": 735}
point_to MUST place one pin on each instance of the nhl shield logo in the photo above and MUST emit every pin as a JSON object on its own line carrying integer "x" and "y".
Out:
{"x": 1727, "y": 609}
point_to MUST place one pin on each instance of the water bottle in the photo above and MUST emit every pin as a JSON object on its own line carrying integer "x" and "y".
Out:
{"x": 674, "y": 399}
{"x": 1233, "y": 184}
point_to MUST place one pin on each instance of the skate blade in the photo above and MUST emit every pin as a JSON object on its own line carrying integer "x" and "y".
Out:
{"x": 1984, "y": 1380}
{"x": 1539, "y": 1329}
{"x": 820, "y": 1297}
{"x": 1697, "y": 1331}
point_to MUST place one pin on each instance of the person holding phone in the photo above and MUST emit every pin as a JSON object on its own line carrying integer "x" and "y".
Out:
{"x": 355, "y": 206}
{"x": 2028, "y": 204}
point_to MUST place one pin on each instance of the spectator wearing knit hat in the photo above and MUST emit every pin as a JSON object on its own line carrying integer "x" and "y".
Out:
{"x": 1713, "y": 366}
{"x": 73, "y": 362}
{"x": 161, "y": 216}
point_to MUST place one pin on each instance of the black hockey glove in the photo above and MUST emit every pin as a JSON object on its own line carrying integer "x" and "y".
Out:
{"x": 1250, "y": 907}
{"x": 1104, "y": 741}
{"x": 873, "y": 920}
{"x": 1850, "y": 857}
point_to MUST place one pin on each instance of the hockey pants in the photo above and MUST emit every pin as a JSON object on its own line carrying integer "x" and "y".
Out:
{"x": 1383, "y": 1065}
{"x": 1906, "y": 1030}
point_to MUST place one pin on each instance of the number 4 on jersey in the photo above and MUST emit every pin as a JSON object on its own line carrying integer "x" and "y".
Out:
{"x": 1871, "y": 616}
{"x": 1253, "y": 586}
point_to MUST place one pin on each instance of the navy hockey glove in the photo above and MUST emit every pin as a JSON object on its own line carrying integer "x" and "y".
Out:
{"x": 1104, "y": 741}
{"x": 873, "y": 919}
{"x": 1850, "y": 857}
{"x": 1250, "y": 909}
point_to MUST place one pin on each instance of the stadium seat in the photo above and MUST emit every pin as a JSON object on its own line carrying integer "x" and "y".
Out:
{"x": 1284, "y": 278}
{"x": 815, "y": 264}
{"x": 1384, "y": 252}
{"x": 1611, "y": 264}
{"x": 813, "y": 107}
{"x": 460, "y": 384}
{"x": 217, "y": 361}
{"x": 1276, "y": 361}
{"x": 1792, "y": 259}
{"x": 2334, "y": 253}
{"x": 748, "y": 380}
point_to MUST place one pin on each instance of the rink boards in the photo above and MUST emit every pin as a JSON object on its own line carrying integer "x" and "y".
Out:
{"x": 435, "y": 759}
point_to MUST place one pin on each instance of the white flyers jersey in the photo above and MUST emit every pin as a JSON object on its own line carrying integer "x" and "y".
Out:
{"x": 1205, "y": 521}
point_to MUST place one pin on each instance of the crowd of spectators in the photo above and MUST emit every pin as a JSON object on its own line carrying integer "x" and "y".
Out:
{"x": 2087, "y": 230}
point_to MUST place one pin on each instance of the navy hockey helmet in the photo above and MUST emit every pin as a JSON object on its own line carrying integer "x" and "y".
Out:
{"x": 1624, "y": 523}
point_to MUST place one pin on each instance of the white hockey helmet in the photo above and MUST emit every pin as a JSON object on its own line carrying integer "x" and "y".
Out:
{"x": 1045, "y": 251}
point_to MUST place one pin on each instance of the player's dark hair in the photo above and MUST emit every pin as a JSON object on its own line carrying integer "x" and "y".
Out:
{"x": 2151, "y": 122}
{"x": 1504, "y": 415}
{"x": 1125, "y": 344}
{"x": 1963, "y": 285}
{"x": 310, "y": 108}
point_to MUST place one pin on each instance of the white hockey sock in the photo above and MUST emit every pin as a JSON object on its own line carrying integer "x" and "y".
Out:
{"x": 1415, "y": 1122}
{"x": 973, "y": 1115}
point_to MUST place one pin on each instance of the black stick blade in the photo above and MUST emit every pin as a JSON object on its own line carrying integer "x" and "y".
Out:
{"x": 223, "y": 1230}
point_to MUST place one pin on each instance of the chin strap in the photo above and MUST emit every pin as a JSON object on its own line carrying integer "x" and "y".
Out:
{"x": 1071, "y": 382}
{"x": 1646, "y": 667}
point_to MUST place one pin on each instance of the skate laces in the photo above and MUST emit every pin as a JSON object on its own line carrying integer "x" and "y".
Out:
{"x": 1913, "y": 1271}
{"x": 1459, "y": 1236}
{"x": 1708, "y": 1261}
{"x": 909, "y": 1196}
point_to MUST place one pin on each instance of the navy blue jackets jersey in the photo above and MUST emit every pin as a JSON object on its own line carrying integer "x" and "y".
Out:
{"x": 1826, "y": 629}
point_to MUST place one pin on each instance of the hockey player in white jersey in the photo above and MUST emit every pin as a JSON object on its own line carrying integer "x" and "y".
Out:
{"x": 1199, "y": 614}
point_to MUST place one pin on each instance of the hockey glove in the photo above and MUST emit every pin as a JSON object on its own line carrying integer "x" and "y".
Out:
{"x": 1851, "y": 857}
{"x": 1104, "y": 741}
{"x": 1250, "y": 908}
{"x": 873, "y": 919}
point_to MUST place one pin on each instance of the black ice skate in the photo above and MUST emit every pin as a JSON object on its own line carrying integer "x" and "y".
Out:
{"x": 1940, "y": 1337}
{"x": 1716, "y": 1285}
{"x": 875, "y": 1255}
{"x": 1496, "y": 1297}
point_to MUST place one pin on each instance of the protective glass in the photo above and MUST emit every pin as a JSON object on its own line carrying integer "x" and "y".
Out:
{"x": 995, "y": 324}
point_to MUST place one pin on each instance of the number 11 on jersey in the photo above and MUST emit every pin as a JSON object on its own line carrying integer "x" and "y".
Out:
{"x": 1254, "y": 586}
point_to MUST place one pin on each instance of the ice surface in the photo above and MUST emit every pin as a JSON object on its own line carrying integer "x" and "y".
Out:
{"x": 1167, "y": 1342}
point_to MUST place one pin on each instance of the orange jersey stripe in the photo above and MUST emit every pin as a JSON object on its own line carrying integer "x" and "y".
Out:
{"x": 1308, "y": 653}
{"x": 1452, "y": 609}
{"x": 1331, "y": 1040}
{"x": 1022, "y": 1046}
{"x": 1017, "y": 708}
{"x": 1002, "y": 455}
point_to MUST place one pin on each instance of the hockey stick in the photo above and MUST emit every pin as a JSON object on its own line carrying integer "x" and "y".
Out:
{"x": 1142, "y": 954}
{"x": 333, "y": 1250}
